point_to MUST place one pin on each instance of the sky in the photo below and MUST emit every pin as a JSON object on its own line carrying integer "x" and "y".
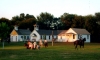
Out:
{"x": 11, "y": 8}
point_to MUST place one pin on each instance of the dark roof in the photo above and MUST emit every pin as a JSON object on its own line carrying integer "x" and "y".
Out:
{"x": 63, "y": 32}
{"x": 49, "y": 32}
{"x": 59, "y": 32}
{"x": 80, "y": 31}
{"x": 23, "y": 32}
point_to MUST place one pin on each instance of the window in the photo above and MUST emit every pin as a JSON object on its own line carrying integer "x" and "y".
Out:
{"x": 27, "y": 37}
{"x": 78, "y": 36}
{"x": 16, "y": 38}
{"x": 73, "y": 36}
{"x": 12, "y": 38}
{"x": 44, "y": 37}
{"x": 87, "y": 36}
{"x": 61, "y": 37}
{"x": 35, "y": 35}
{"x": 49, "y": 37}
{"x": 41, "y": 36}
{"x": 22, "y": 37}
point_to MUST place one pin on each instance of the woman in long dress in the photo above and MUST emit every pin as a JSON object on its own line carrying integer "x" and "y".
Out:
{"x": 35, "y": 44}
{"x": 41, "y": 43}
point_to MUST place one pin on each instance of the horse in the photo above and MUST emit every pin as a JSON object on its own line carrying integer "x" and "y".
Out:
{"x": 29, "y": 45}
{"x": 79, "y": 42}
{"x": 45, "y": 43}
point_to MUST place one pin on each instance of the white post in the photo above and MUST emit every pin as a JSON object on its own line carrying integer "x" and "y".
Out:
{"x": 3, "y": 44}
{"x": 52, "y": 38}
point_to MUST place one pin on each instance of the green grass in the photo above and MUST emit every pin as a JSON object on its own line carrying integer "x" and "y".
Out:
{"x": 60, "y": 51}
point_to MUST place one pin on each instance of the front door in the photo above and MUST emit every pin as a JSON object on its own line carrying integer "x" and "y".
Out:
{"x": 14, "y": 38}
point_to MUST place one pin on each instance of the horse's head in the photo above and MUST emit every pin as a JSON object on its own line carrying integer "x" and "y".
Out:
{"x": 84, "y": 39}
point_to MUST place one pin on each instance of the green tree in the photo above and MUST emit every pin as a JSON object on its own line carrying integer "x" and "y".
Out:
{"x": 27, "y": 23}
{"x": 19, "y": 18}
{"x": 97, "y": 15}
{"x": 24, "y": 21}
{"x": 8, "y": 22}
{"x": 92, "y": 27}
{"x": 44, "y": 20}
{"x": 90, "y": 23}
{"x": 4, "y": 30}
{"x": 78, "y": 22}
{"x": 67, "y": 20}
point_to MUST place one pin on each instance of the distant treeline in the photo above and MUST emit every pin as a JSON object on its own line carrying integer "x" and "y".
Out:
{"x": 47, "y": 21}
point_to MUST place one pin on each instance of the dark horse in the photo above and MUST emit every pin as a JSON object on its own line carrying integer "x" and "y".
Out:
{"x": 45, "y": 43}
{"x": 79, "y": 42}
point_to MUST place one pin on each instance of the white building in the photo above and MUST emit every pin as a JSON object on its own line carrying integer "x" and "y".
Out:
{"x": 19, "y": 34}
{"x": 69, "y": 35}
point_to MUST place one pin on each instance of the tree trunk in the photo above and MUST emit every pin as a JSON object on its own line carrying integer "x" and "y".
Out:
{"x": 52, "y": 42}
{"x": 3, "y": 44}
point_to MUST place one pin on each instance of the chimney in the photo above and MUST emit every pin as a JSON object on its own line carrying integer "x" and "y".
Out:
{"x": 16, "y": 27}
{"x": 36, "y": 27}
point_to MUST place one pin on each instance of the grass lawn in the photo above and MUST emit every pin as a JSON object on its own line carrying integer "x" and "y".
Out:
{"x": 60, "y": 51}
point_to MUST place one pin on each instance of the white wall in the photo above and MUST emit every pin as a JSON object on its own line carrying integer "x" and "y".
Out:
{"x": 32, "y": 36}
{"x": 70, "y": 38}
{"x": 49, "y": 37}
{"x": 87, "y": 38}
{"x": 71, "y": 31}
{"x": 23, "y": 37}
{"x": 14, "y": 38}
{"x": 60, "y": 38}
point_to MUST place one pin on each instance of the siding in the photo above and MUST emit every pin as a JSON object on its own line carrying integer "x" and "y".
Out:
{"x": 13, "y": 33}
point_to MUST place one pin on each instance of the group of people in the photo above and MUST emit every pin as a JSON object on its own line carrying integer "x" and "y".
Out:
{"x": 35, "y": 45}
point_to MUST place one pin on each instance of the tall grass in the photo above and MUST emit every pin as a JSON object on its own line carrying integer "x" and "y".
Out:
{"x": 60, "y": 51}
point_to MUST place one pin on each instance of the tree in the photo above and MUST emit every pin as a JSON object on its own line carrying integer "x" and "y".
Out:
{"x": 19, "y": 18}
{"x": 67, "y": 20}
{"x": 24, "y": 21}
{"x": 78, "y": 22}
{"x": 92, "y": 27}
{"x": 56, "y": 24}
{"x": 90, "y": 23}
{"x": 98, "y": 17}
{"x": 4, "y": 30}
{"x": 8, "y": 22}
{"x": 44, "y": 20}
{"x": 52, "y": 38}
{"x": 27, "y": 23}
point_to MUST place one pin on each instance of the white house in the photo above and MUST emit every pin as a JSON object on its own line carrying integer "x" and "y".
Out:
{"x": 73, "y": 34}
{"x": 19, "y": 34}
{"x": 69, "y": 35}
{"x": 41, "y": 34}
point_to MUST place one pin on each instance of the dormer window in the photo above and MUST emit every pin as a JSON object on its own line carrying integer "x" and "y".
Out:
{"x": 34, "y": 35}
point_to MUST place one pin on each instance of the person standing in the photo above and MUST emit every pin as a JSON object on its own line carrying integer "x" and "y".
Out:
{"x": 45, "y": 43}
{"x": 40, "y": 43}
{"x": 35, "y": 43}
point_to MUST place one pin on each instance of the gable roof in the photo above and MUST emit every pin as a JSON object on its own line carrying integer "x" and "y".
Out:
{"x": 62, "y": 32}
{"x": 14, "y": 32}
{"x": 49, "y": 32}
{"x": 80, "y": 31}
{"x": 23, "y": 32}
